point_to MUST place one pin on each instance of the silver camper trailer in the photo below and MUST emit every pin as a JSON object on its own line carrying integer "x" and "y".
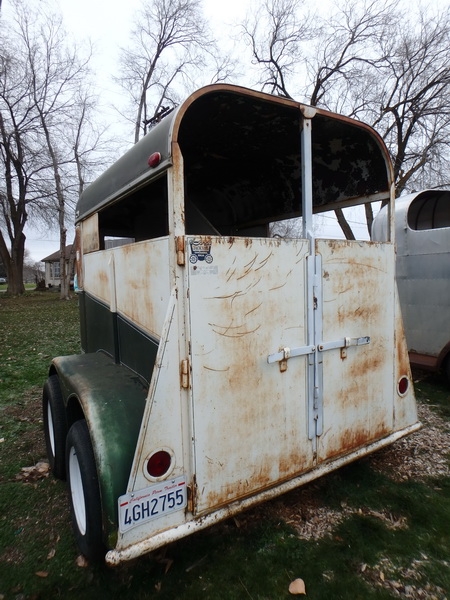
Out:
{"x": 423, "y": 274}
{"x": 221, "y": 366}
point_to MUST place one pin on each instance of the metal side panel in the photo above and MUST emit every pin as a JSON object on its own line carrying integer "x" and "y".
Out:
{"x": 247, "y": 301}
{"x": 133, "y": 280}
{"x": 165, "y": 426}
{"x": 97, "y": 274}
{"x": 424, "y": 287}
{"x": 142, "y": 283}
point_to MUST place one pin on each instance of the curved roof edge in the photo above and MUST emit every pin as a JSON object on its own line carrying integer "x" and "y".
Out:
{"x": 132, "y": 169}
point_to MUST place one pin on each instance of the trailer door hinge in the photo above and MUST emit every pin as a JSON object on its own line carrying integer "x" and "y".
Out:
{"x": 185, "y": 373}
{"x": 179, "y": 244}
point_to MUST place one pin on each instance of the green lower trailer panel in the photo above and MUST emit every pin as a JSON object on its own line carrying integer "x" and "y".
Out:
{"x": 112, "y": 400}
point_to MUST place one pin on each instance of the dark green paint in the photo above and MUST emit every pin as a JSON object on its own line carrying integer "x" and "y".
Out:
{"x": 112, "y": 399}
{"x": 111, "y": 333}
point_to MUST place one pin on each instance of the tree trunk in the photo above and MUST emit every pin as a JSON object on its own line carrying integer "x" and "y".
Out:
{"x": 64, "y": 276}
{"x": 14, "y": 265}
{"x": 349, "y": 235}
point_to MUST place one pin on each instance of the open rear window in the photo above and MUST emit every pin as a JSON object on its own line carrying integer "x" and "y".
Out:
{"x": 430, "y": 210}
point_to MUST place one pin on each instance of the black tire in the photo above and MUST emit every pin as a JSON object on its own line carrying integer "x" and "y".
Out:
{"x": 55, "y": 426}
{"x": 84, "y": 492}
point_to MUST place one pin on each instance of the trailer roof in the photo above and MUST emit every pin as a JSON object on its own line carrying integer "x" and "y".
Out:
{"x": 222, "y": 127}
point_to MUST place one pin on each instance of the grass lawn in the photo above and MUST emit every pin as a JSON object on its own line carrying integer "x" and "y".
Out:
{"x": 377, "y": 529}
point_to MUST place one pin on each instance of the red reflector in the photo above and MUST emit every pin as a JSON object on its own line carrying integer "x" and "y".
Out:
{"x": 159, "y": 463}
{"x": 154, "y": 159}
{"x": 403, "y": 385}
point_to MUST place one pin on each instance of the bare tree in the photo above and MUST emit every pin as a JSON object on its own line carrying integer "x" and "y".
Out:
{"x": 42, "y": 119}
{"x": 345, "y": 50}
{"x": 170, "y": 43}
{"x": 379, "y": 61}
{"x": 16, "y": 124}
{"x": 276, "y": 34}
{"x": 413, "y": 98}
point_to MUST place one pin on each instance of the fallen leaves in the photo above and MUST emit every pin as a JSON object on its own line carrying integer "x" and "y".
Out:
{"x": 81, "y": 561}
{"x": 418, "y": 456}
{"x": 297, "y": 587}
{"x": 51, "y": 554}
{"x": 405, "y": 582}
{"x": 39, "y": 471}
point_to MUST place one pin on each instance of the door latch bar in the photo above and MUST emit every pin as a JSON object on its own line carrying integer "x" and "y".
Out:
{"x": 344, "y": 343}
{"x": 286, "y": 353}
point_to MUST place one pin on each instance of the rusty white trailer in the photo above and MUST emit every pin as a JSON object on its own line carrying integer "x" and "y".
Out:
{"x": 422, "y": 222}
{"x": 223, "y": 366}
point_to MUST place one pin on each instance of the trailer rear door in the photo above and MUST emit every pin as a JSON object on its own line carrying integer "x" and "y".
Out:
{"x": 291, "y": 358}
{"x": 354, "y": 332}
{"x": 250, "y": 420}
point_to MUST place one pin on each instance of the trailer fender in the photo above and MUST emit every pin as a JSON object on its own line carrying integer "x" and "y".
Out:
{"x": 112, "y": 400}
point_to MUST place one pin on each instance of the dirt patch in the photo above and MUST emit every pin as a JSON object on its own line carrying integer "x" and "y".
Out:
{"x": 422, "y": 455}
{"x": 386, "y": 576}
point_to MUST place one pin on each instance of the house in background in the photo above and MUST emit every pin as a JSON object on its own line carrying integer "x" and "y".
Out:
{"x": 52, "y": 268}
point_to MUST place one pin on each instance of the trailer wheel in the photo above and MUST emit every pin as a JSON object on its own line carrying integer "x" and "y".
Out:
{"x": 55, "y": 426}
{"x": 85, "y": 503}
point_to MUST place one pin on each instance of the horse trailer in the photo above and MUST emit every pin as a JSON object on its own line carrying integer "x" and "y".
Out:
{"x": 223, "y": 366}
{"x": 423, "y": 274}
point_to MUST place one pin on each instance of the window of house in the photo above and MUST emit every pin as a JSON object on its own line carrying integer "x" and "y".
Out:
{"x": 56, "y": 270}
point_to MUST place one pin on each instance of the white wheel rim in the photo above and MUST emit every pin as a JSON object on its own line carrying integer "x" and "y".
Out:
{"x": 76, "y": 489}
{"x": 51, "y": 432}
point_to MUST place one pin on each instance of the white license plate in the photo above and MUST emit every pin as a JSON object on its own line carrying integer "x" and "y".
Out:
{"x": 152, "y": 502}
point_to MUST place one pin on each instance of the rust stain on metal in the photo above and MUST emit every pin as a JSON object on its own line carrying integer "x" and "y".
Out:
{"x": 261, "y": 479}
{"x": 350, "y": 438}
{"x": 264, "y": 261}
{"x": 232, "y": 334}
{"x": 367, "y": 363}
{"x": 103, "y": 278}
{"x": 400, "y": 348}
{"x": 248, "y": 267}
{"x": 231, "y": 274}
{"x": 278, "y": 287}
{"x": 249, "y": 312}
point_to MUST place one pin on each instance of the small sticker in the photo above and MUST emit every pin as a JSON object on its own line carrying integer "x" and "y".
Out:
{"x": 200, "y": 251}
{"x": 202, "y": 269}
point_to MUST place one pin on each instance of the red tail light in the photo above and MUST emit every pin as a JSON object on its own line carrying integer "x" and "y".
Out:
{"x": 154, "y": 159}
{"x": 159, "y": 463}
{"x": 403, "y": 385}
